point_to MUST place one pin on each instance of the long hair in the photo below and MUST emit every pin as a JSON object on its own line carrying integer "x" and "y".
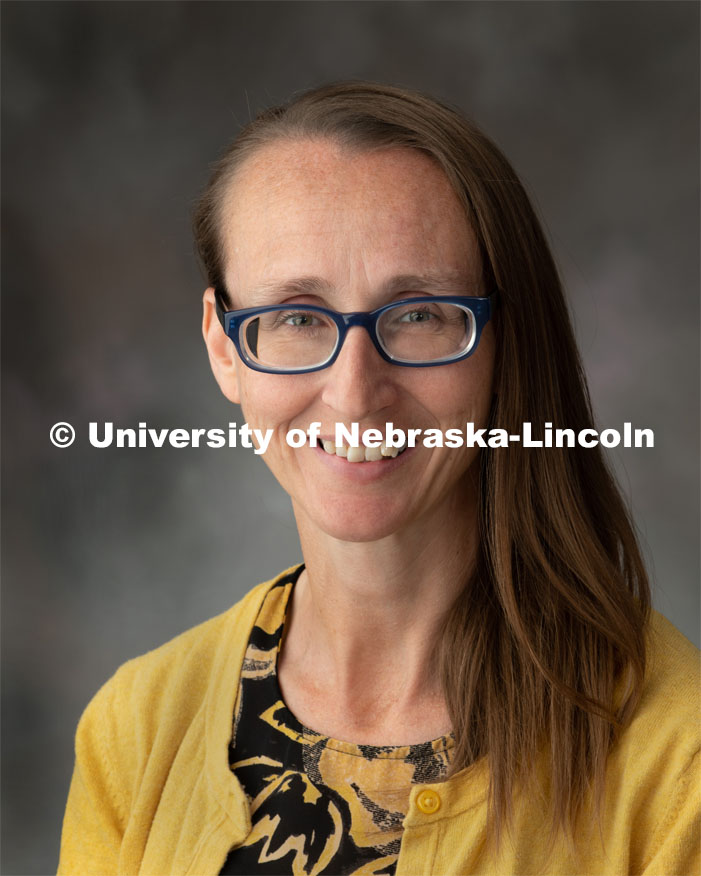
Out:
{"x": 543, "y": 652}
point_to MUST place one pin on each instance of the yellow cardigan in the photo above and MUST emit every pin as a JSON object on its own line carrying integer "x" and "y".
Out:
{"x": 152, "y": 792}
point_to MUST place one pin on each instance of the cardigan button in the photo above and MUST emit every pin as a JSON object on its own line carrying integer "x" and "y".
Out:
{"x": 428, "y": 801}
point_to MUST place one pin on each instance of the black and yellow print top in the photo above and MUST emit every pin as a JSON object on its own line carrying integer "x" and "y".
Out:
{"x": 318, "y": 805}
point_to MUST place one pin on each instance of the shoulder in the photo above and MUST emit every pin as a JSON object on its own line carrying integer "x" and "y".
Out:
{"x": 670, "y": 697}
{"x": 173, "y": 681}
{"x": 653, "y": 776}
{"x": 664, "y": 734}
{"x": 665, "y": 723}
{"x": 193, "y": 650}
{"x": 148, "y": 735}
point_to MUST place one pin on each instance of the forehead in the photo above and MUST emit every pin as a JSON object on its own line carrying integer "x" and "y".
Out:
{"x": 353, "y": 218}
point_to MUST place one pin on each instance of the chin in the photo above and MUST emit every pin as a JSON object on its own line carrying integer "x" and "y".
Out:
{"x": 358, "y": 521}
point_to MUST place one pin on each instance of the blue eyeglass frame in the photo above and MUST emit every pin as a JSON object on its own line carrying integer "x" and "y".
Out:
{"x": 482, "y": 308}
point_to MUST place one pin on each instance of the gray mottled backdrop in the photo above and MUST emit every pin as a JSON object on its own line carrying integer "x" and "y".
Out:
{"x": 111, "y": 114}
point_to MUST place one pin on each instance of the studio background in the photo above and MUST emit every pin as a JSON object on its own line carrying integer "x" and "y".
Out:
{"x": 112, "y": 113}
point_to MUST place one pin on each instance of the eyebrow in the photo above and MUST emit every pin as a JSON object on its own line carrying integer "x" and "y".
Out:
{"x": 447, "y": 283}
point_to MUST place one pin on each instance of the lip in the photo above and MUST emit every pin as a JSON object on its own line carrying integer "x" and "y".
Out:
{"x": 362, "y": 472}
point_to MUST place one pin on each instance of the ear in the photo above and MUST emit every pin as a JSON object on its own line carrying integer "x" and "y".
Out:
{"x": 223, "y": 357}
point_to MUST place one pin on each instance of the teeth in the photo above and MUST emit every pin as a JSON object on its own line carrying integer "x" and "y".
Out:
{"x": 362, "y": 454}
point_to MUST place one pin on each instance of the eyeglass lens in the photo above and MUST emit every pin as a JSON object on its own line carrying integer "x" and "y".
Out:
{"x": 293, "y": 337}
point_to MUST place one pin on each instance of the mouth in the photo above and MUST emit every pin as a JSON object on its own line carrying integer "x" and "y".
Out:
{"x": 362, "y": 453}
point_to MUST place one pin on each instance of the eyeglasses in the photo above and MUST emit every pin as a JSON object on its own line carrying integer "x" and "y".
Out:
{"x": 416, "y": 332}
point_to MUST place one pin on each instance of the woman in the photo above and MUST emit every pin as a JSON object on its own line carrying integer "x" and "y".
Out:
{"x": 465, "y": 675}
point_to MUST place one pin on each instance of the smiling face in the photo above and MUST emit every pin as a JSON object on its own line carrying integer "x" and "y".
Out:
{"x": 369, "y": 228}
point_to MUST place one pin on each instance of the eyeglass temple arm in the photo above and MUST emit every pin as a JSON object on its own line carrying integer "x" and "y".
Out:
{"x": 220, "y": 306}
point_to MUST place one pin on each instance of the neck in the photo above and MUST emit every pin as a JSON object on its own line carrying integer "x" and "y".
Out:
{"x": 365, "y": 616}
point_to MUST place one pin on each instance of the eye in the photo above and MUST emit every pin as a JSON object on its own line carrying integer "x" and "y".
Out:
{"x": 417, "y": 315}
{"x": 297, "y": 318}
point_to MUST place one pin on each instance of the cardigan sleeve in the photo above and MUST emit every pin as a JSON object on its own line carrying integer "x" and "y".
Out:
{"x": 96, "y": 811}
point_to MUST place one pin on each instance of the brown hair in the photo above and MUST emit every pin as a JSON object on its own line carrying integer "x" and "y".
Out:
{"x": 553, "y": 617}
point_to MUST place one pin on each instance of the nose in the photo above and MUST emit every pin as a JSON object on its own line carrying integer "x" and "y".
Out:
{"x": 359, "y": 383}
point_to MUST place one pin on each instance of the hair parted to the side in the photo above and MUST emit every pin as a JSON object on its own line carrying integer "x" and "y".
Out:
{"x": 543, "y": 653}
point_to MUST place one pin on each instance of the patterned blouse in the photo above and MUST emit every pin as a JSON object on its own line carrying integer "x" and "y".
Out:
{"x": 318, "y": 805}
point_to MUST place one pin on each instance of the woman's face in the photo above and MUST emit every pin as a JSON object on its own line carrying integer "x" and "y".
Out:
{"x": 372, "y": 227}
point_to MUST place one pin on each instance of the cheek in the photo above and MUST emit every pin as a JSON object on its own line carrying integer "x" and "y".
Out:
{"x": 463, "y": 392}
{"x": 268, "y": 400}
